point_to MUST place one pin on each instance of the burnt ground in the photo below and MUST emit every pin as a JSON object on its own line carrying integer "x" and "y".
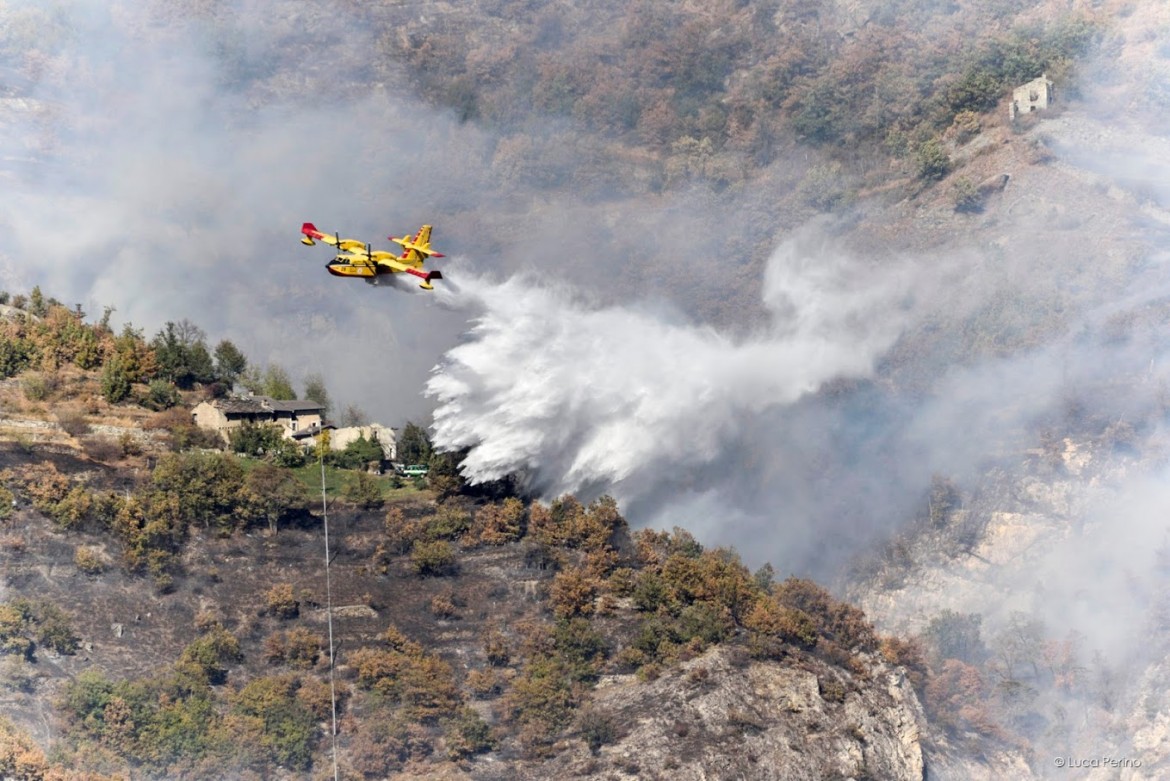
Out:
{"x": 129, "y": 629}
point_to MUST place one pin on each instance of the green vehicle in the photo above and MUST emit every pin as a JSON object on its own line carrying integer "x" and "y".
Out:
{"x": 415, "y": 470}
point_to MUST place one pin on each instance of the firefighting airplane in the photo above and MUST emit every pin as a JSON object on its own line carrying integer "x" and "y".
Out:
{"x": 356, "y": 259}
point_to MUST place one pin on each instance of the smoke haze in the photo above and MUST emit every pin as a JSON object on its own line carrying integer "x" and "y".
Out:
{"x": 165, "y": 169}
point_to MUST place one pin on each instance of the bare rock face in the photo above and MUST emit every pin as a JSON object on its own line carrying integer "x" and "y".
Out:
{"x": 723, "y": 715}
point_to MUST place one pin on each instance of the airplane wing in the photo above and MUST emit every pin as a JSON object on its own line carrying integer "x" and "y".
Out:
{"x": 425, "y": 276}
{"x": 311, "y": 233}
{"x": 418, "y": 248}
{"x": 364, "y": 254}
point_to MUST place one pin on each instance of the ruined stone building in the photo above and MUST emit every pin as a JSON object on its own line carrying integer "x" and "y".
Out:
{"x": 1036, "y": 95}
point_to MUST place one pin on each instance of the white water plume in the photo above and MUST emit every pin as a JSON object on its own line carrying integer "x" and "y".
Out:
{"x": 580, "y": 398}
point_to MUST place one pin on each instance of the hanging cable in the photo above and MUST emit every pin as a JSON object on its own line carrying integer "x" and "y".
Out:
{"x": 322, "y": 445}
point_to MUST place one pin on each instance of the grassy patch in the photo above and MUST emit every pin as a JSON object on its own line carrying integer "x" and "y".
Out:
{"x": 336, "y": 479}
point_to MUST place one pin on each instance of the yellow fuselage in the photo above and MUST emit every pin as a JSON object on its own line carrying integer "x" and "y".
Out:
{"x": 340, "y": 268}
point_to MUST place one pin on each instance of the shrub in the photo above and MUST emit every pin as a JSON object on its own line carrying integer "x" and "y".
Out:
{"x": 381, "y": 746}
{"x": 299, "y": 648}
{"x": 281, "y": 602}
{"x": 597, "y": 729}
{"x": 932, "y": 161}
{"x": 211, "y": 653}
{"x": 289, "y": 728}
{"x": 966, "y": 196}
{"x": 358, "y": 454}
{"x": 39, "y": 386}
{"x": 844, "y": 624}
{"x": 909, "y": 655}
{"x": 485, "y": 684}
{"x": 443, "y": 607}
{"x": 448, "y": 523}
{"x": 116, "y": 380}
{"x": 89, "y": 560}
{"x": 73, "y": 423}
{"x": 7, "y": 502}
{"x": 432, "y": 558}
{"x": 129, "y": 444}
{"x": 160, "y": 395}
{"x": 772, "y": 625}
{"x": 495, "y": 648}
{"x": 102, "y": 449}
{"x": 500, "y": 523}
{"x": 467, "y": 734}
{"x": 572, "y": 593}
{"x": 422, "y": 683}
{"x": 364, "y": 491}
{"x": 254, "y": 439}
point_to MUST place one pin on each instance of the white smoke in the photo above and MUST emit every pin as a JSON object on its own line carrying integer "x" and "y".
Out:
{"x": 582, "y": 398}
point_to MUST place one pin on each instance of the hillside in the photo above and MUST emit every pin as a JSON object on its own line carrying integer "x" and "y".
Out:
{"x": 476, "y": 637}
{"x": 850, "y": 318}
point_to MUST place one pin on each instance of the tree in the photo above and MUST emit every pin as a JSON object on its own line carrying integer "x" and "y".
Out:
{"x": 315, "y": 390}
{"x": 15, "y": 356}
{"x": 363, "y": 491}
{"x": 432, "y": 558}
{"x": 161, "y": 395}
{"x": 354, "y": 415}
{"x": 932, "y": 160}
{"x": 289, "y": 728}
{"x": 230, "y": 363}
{"x": 182, "y": 354}
{"x": 206, "y": 489}
{"x": 255, "y": 439}
{"x": 275, "y": 493}
{"x": 277, "y": 384}
{"x": 138, "y": 359}
{"x": 36, "y": 302}
{"x": 957, "y": 636}
{"x": 414, "y": 446}
{"x": 115, "y": 380}
{"x": 358, "y": 454}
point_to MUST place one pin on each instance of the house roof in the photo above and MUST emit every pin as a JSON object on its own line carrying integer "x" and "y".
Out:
{"x": 311, "y": 431}
{"x": 239, "y": 406}
{"x": 294, "y": 405}
{"x": 259, "y": 405}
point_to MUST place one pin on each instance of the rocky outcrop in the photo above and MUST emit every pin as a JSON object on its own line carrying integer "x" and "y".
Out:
{"x": 724, "y": 715}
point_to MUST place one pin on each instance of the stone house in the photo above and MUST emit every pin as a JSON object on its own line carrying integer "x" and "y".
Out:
{"x": 385, "y": 436}
{"x": 225, "y": 414}
{"x": 1036, "y": 95}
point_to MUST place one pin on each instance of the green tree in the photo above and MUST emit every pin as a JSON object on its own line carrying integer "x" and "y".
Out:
{"x": 181, "y": 354}
{"x": 115, "y": 380}
{"x": 137, "y": 357}
{"x": 315, "y": 391}
{"x": 206, "y": 489}
{"x": 255, "y": 439}
{"x": 36, "y": 303}
{"x": 277, "y": 384}
{"x": 932, "y": 160}
{"x": 230, "y": 363}
{"x": 363, "y": 490}
{"x": 414, "y": 446}
{"x": 15, "y": 356}
{"x": 275, "y": 493}
{"x": 289, "y": 727}
{"x": 432, "y": 558}
{"x": 161, "y": 395}
{"x": 358, "y": 453}
{"x": 212, "y": 653}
